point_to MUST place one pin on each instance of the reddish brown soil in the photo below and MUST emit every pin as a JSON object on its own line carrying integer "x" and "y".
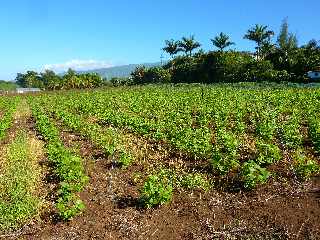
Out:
{"x": 278, "y": 210}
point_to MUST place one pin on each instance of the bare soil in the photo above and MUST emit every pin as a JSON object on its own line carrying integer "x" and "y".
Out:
{"x": 282, "y": 209}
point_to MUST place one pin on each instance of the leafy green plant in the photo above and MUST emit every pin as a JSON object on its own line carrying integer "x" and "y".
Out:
{"x": 223, "y": 163}
{"x": 252, "y": 174}
{"x": 193, "y": 181}
{"x": 304, "y": 167}
{"x": 290, "y": 132}
{"x": 69, "y": 206}
{"x": 124, "y": 159}
{"x": 204, "y": 121}
{"x": 224, "y": 154}
{"x": 314, "y": 131}
{"x": 266, "y": 126}
{"x": 156, "y": 190}
{"x": 9, "y": 107}
{"x": 267, "y": 153}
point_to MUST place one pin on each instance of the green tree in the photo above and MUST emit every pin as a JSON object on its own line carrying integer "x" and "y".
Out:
{"x": 222, "y": 41}
{"x": 284, "y": 57}
{"x": 20, "y": 80}
{"x": 261, "y": 36}
{"x": 172, "y": 47}
{"x": 29, "y": 79}
{"x": 286, "y": 41}
{"x": 70, "y": 80}
{"x": 188, "y": 45}
{"x": 313, "y": 45}
{"x": 51, "y": 80}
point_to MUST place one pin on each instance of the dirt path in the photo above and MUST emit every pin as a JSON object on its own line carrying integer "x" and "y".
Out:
{"x": 284, "y": 210}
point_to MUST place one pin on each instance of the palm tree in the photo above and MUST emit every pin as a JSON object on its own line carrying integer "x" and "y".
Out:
{"x": 222, "y": 41}
{"x": 259, "y": 34}
{"x": 188, "y": 45}
{"x": 172, "y": 47}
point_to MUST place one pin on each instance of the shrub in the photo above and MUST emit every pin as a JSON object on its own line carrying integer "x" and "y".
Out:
{"x": 157, "y": 75}
{"x": 185, "y": 70}
{"x": 305, "y": 168}
{"x": 138, "y": 75}
{"x": 224, "y": 156}
{"x": 268, "y": 153}
{"x": 117, "y": 81}
{"x": 141, "y": 75}
{"x": 193, "y": 181}
{"x": 252, "y": 174}
{"x": 291, "y": 135}
{"x": 157, "y": 190}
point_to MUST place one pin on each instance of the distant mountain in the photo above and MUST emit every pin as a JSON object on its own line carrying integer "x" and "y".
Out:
{"x": 120, "y": 71}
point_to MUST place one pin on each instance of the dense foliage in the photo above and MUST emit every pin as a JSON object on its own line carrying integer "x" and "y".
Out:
{"x": 280, "y": 61}
{"x": 7, "y": 86}
{"x": 7, "y": 109}
{"x": 49, "y": 80}
{"x": 239, "y": 129}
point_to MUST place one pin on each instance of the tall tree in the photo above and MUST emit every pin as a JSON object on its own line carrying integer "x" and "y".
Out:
{"x": 70, "y": 79}
{"x": 29, "y": 79}
{"x": 313, "y": 45}
{"x": 172, "y": 47}
{"x": 286, "y": 53}
{"x": 261, "y": 35}
{"x": 188, "y": 45}
{"x": 51, "y": 80}
{"x": 286, "y": 41}
{"x": 222, "y": 41}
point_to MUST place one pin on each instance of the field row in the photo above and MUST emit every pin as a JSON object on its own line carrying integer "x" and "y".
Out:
{"x": 234, "y": 129}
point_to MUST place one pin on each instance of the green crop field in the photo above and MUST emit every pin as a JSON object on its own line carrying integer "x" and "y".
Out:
{"x": 167, "y": 139}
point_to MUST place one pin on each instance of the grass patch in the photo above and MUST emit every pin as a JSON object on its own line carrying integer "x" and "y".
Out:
{"x": 19, "y": 180}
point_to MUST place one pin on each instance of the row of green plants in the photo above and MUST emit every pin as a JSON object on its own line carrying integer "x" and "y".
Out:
{"x": 108, "y": 139}
{"x": 158, "y": 187}
{"x": 216, "y": 123}
{"x": 68, "y": 167}
{"x": 7, "y": 108}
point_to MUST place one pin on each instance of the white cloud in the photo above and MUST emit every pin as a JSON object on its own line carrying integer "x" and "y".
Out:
{"x": 78, "y": 65}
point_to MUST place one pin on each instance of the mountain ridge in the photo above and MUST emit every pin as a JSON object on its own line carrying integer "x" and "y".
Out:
{"x": 119, "y": 71}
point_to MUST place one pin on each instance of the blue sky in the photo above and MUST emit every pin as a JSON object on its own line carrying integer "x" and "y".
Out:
{"x": 97, "y": 33}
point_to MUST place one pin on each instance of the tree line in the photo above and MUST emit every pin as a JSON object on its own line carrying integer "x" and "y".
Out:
{"x": 281, "y": 60}
{"x": 49, "y": 80}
